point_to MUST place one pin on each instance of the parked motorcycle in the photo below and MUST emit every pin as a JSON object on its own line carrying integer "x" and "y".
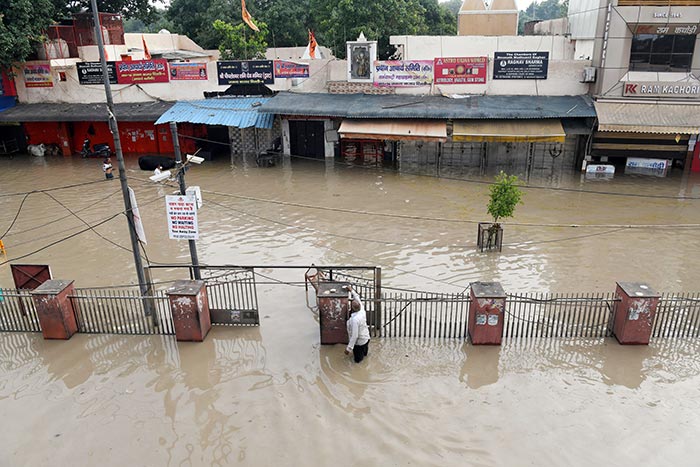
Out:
{"x": 98, "y": 150}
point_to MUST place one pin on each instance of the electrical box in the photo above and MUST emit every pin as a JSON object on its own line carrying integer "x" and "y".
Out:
{"x": 197, "y": 193}
{"x": 589, "y": 74}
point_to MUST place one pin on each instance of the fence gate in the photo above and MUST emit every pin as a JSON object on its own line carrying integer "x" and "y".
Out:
{"x": 233, "y": 298}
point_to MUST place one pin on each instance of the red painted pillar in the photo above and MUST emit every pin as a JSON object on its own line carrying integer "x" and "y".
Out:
{"x": 333, "y": 312}
{"x": 486, "y": 307}
{"x": 634, "y": 313}
{"x": 695, "y": 164}
{"x": 55, "y": 309}
{"x": 189, "y": 305}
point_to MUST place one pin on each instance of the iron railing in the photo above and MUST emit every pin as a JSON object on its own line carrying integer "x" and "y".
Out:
{"x": 121, "y": 311}
{"x": 677, "y": 316}
{"x": 559, "y": 315}
{"x": 17, "y": 311}
{"x": 424, "y": 314}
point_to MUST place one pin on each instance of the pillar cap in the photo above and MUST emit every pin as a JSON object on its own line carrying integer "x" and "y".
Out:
{"x": 638, "y": 289}
{"x": 487, "y": 290}
{"x": 185, "y": 288}
{"x": 332, "y": 289}
{"x": 52, "y": 287}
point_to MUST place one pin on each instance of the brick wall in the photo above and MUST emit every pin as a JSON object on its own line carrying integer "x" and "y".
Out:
{"x": 343, "y": 87}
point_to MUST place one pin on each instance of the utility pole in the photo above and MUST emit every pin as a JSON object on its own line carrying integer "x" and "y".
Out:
{"x": 143, "y": 286}
{"x": 183, "y": 188}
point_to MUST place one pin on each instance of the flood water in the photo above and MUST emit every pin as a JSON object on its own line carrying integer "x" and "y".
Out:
{"x": 271, "y": 394}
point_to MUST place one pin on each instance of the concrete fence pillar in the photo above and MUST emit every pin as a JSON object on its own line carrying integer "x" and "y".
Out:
{"x": 487, "y": 305}
{"x": 55, "y": 309}
{"x": 634, "y": 313}
{"x": 189, "y": 306}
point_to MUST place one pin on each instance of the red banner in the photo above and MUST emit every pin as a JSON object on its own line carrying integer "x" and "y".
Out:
{"x": 37, "y": 76}
{"x": 188, "y": 71}
{"x": 142, "y": 72}
{"x": 289, "y": 69}
{"x": 460, "y": 70}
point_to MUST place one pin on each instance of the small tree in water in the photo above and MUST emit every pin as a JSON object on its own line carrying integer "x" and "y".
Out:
{"x": 505, "y": 195}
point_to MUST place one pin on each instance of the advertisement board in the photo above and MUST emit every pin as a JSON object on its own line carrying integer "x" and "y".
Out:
{"x": 460, "y": 70}
{"x": 520, "y": 65}
{"x": 188, "y": 71}
{"x": 245, "y": 72}
{"x": 403, "y": 73}
{"x": 288, "y": 69}
{"x": 37, "y": 76}
{"x": 142, "y": 72}
{"x": 91, "y": 72}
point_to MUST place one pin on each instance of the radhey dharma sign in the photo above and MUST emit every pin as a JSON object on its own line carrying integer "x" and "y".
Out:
{"x": 182, "y": 217}
{"x": 520, "y": 65}
{"x": 661, "y": 89}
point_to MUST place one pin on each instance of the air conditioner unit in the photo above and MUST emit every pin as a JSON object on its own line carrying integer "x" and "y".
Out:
{"x": 589, "y": 73}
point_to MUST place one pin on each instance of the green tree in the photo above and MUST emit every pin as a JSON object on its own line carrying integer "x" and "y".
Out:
{"x": 239, "y": 42}
{"x": 194, "y": 18}
{"x": 547, "y": 9}
{"x": 287, "y": 20}
{"x": 504, "y": 196}
{"x": 157, "y": 22}
{"x": 339, "y": 21}
{"x": 22, "y": 23}
{"x": 439, "y": 20}
{"x": 141, "y": 9}
{"x": 453, "y": 6}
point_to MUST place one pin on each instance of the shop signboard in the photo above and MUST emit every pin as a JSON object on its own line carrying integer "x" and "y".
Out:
{"x": 661, "y": 89}
{"x": 289, "y": 69}
{"x": 520, "y": 65}
{"x": 666, "y": 28}
{"x": 142, "y": 71}
{"x": 403, "y": 73}
{"x": 91, "y": 72}
{"x": 245, "y": 72}
{"x": 460, "y": 70}
{"x": 182, "y": 217}
{"x": 37, "y": 75}
{"x": 188, "y": 71}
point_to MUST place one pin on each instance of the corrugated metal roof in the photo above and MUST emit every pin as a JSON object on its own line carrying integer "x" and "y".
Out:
{"x": 130, "y": 112}
{"x": 648, "y": 118}
{"x": 431, "y": 107}
{"x": 241, "y": 112}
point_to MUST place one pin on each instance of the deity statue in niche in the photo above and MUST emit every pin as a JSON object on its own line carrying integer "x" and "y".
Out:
{"x": 360, "y": 66}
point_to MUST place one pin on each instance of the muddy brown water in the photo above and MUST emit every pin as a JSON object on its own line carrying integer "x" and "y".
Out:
{"x": 271, "y": 394}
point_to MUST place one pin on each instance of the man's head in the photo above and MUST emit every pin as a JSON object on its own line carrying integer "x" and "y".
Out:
{"x": 356, "y": 305}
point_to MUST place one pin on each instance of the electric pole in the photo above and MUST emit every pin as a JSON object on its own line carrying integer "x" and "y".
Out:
{"x": 183, "y": 189}
{"x": 113, "y": 127}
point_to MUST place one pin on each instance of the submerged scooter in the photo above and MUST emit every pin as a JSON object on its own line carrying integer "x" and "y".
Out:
{"x": 98, "y": 150}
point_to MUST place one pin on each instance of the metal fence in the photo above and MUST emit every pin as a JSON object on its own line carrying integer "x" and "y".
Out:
{"x": 424, "y": 314}
{"x": 559, "y": 315}
{"x": 121, "y": 311}
{"x": 366, "y": 281}
{"x": 678, "y": 315}
{"x": 17, "y": 311}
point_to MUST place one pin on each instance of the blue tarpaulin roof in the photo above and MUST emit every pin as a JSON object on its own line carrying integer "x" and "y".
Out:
{"x": 431, "y": 107}
{"x": 241, "y": 112}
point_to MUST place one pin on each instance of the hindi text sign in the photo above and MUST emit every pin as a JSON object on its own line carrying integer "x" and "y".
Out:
{"x": 403, "y": 73}
{"x": 182, "y": 217}
{"x": 460, "y": 70}
{"x": 142, "y": 72}
{"x": 245, "y": 72}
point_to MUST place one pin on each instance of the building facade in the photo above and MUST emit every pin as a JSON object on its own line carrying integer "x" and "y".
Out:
{"x": 647, "y": 92}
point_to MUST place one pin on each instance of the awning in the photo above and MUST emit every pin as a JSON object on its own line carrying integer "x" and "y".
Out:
{"x": 648, "y": 118}
{"x": 129, "y": 112}
{"x": 395, "y": 130}
{"x": 396, "y": 106}
{"x": 514, "y": 131}
{"x": 240, "y": 112}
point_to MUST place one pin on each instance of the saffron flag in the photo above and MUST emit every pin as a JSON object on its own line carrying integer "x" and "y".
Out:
{"x": 146, "y": 53}
{"x": 247, "y": 19}
{"x": 312, "y": 44}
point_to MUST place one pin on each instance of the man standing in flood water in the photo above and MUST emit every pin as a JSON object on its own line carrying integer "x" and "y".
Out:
{"x": 358, "y": 332}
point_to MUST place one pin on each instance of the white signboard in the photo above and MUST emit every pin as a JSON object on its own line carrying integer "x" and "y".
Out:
{"x": 138, "y": 224}
{"x": 182, "y": 217}
{"x": 644, "y": 163}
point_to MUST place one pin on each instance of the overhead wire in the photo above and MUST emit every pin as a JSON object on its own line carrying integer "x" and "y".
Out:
{"x": 19, "y": 210}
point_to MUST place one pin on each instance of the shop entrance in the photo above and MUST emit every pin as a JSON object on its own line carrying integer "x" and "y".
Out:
{"x": 306, "y": 138}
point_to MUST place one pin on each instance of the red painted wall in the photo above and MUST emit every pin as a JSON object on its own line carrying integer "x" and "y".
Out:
{"x": 100, "y": 130}
{"x": 50, "y": 133}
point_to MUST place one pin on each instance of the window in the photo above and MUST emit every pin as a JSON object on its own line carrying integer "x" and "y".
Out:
{"x": 662, "y": 52}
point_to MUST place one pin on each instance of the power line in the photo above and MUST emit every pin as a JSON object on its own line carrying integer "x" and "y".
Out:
{"x": 64, "y": 187}
{"x": 471, "y": 180}
{"x": 19, "y": 210}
